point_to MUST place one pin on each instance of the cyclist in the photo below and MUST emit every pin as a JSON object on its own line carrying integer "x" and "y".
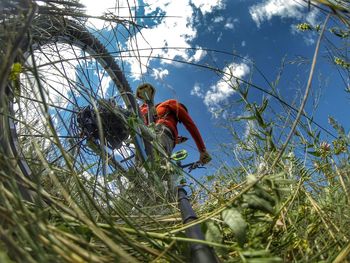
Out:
{"x": 166, "y": 116}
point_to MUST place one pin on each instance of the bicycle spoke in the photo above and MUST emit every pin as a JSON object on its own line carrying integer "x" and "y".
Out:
{"x": 67, "y": 151}
{"x": 45, "y": 136}
{"x": 48, "y": 104}
{"x": 96, "y": 178}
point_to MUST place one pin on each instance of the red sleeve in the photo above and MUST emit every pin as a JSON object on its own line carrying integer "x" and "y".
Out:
{"x": 185, "y": 118}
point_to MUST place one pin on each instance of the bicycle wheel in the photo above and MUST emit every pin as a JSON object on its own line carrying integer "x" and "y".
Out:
{"x": 64, "y": 71}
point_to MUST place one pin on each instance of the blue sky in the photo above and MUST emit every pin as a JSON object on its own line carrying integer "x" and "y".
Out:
{"x": 260, "y": 32}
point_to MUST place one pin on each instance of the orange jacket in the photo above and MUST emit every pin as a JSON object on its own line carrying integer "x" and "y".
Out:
{"x": 169, "y": 113}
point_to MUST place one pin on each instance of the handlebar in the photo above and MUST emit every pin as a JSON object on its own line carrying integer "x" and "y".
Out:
{"x": 192, "y": 166}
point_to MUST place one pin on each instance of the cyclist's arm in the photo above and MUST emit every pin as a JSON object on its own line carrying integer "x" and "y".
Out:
{"x": 189, "y": 124}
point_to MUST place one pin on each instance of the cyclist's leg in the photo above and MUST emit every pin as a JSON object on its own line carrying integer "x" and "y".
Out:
{"x": 166, "y": 138}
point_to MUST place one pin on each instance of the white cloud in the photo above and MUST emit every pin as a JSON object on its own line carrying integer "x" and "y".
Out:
{"x": 229, "y": 25}
{"x": 95, "y": 8}
{"x": 219, "y": 37}
{"x": 265, "y": 10}
{"x": 309, "y": 40}
{"x": 268, "y": 9}
{"x": 224, "y": 87}
{"x": 118, "y": 8}
{"x": 207, "y": 6}
{"x": 176, "y": 29}
{"x": 218, "y": 19}
{"x": 197, "y": 91}
{"x": 198, "y": 55}
{"x": 159, "y": 73}
{"x": 171, "y": 32}
{"x": 311, "y": 17}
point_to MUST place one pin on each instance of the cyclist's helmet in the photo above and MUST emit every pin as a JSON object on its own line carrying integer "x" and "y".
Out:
{"x": 145, "y": 92}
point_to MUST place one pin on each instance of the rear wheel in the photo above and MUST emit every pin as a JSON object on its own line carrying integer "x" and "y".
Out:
{"x": 64, "y": 70}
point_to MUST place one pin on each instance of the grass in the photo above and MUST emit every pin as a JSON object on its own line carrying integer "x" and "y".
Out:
{"x": 277, "y": 202}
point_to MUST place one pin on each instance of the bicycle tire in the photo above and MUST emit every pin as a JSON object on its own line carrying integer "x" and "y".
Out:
{"x": 58, "y": 30}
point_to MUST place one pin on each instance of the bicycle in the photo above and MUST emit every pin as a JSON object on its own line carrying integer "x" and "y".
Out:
{"x": 68, "y": 105}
